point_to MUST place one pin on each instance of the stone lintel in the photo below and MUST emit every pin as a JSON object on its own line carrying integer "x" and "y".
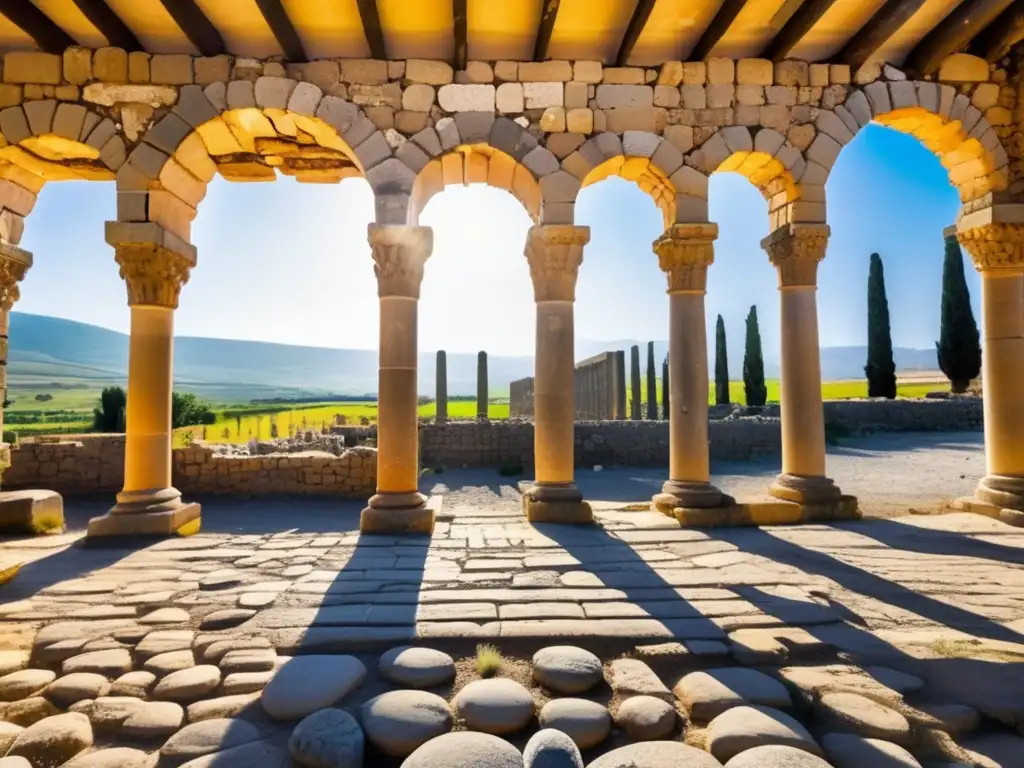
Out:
{"x": 1001, "y": 213}
{"x": 554, "y": 253}
{"x": 399, "y": 254}
{"x": 796, "y": 250}
{"x": 136, "y": 232}
{"x": 685, "y": 251}
{"x": 949, "y": 231}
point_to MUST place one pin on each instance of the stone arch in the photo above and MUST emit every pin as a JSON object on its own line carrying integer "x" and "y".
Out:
{"x": 48, "y": 140}
{"x": 772, "y": 164}
{"x": 945, "y": 121}
{"x": 651, "y": 162}
{"x": 247, "y": 132}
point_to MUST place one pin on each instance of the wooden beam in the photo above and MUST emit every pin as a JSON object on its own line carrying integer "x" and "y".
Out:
{"x": 995, "y": 42}
{"x": 461, "y": 32}
{"x": 37, "y": 25}
{"x": 197, "y": 28}
{"x": 109, "y": 24}
{"x": 283, "y": 29}
{"x": 883, "y": 25}
{"x": 548, "y": 14}
{"x": 637, "y": 22}
{"x": 954, "y": 33}
{"x": 371, "y": 28}
{"x": 717, "y": 28}
{"x": 794, "y": 30}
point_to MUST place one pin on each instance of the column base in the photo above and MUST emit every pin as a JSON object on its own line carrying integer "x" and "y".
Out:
{"x": 689, "y": 494}
{"x": 148, "y": 501}
{"x": 555, "y": 503}
{"x": 183, "y": 520}
{"x": 805, "y": 489}
{"x": 767, "y": 512}
{"x": 1004, "y": 491}
{"x": 1006, "y": 515}
{"x": 400, "y": 513}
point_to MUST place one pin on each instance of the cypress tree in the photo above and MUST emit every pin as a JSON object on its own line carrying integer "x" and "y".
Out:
{"x": 664, "y": 388}
{"x": 652, "y": 384}
{"x": 721, "y": 364}
{"x": 880, "y": 370}
{"x": 958, "y": 347}
{"x": 634, "y": 383}
{"x": 753, "y": 363}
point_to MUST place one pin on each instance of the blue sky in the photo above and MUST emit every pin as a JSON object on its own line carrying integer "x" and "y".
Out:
{"x": 289, "y": 262}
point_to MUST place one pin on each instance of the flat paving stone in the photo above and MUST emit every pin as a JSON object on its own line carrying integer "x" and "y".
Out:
{"x": 165, "y": 616}
{"x": 154, "y": 720}
{"x": 1003, "y": 749}
{"x": 416, "y": 667}
{"x": 465, "y": 749}
{"x": 245, "y": 682}
{"x": 188, "y": 684}
{"x": 656, "y": 754}
{"x": 107, "y": 713}
{"x": 29, "y": 711}
{"x": 308, "y": 683}
{"x": 226, "y": 619}
{"x": 587, "y": 723}
{"x": 213, "y": 652}
{"x": 12, "y": 661}
{"x": 111, "y": 663}
{"x": 222, "y": 706}
{"x": 845, "y": 750}
{"x": 646, "y": 718}
{"x": 955, "y": 719}
{"x": 24, "y": 683}
{"x": 497, "y": 706}
{"x": 172, "y": 661}
{"x": 742, "y": 728}
{"x": 137, "y": 683}
{"x": 898, "y": 681}
{"x": 398, "y": 722}
{"x": 163, "y": 641}
{"x": 248, "y": 660}
{"x": 66, "y": 690}
{"x": 567, "y": 669}
{"x": 53, "y": 741}
{"x": 209, "y": 736}
{"x": 707, "y": 694}
{"x": 852, "y": 713}
{"x": 632, "y": 677}
{"x": 260, "y": 753}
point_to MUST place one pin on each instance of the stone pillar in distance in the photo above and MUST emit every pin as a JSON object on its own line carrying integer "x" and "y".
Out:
{"x": 997, "y": 249}
{"x": 795, "y": 250}
{"x": 482, "y": 390}
{"x": 441, "y": 398}
{"x": 14, "y": 263}
{"x": 155, "y": 265}
{"x": 555, "y": 253}
{"x": 684, "y": 253}
{"x": 636, "y": 403}
{"x": 399, "y": 254}
{"x": 619, "y": 388}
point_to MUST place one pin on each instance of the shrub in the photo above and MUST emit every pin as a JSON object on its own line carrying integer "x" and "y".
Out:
{"x": 10, "y": 436}
{"x": 109, "y": 417}
{"x": 188, "y": 410}
{"x": 43, "y": 397}
{"x": 880, "y": 370}
{"x": 489, "y": 660}
{"x": 753, "y": 363}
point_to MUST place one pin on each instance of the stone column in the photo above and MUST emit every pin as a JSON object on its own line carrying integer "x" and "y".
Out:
{"x": 482, "y": 390}
{"x": 636, "y": 402}
{"x": 441, "y": 375}
{"x": 14, "y": 263}
{"x": 154, "y": 272}
{"x": 795, "y": 250}
{"x": 399, "y": 254}
{"x": 998, "y": 252}
{"x": 555, "y": 253}
{"x": 620, "y": 385}
{"x": 684, "y": 253}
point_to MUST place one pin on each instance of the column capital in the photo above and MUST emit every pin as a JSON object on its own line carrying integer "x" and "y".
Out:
{"x": 154, "y": 274}
{"x": 399, "y": 253}
{"x": 685, "y": 251}
{"x": 995, "y": 247}
{"x": 14, "y": 263}
{"x": 795, "y": 250}
{"x": 555, "y": 252}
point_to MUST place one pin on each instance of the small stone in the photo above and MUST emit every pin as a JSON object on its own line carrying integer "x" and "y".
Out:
{"x": 65, "y": 691}
{"x": 30, "y": 711}
{"x": 12, "y": 661}
{"x": 173, "y": 661}
{"x": 845, "y": 750}
{"x": 398, "y": 722}
{"x": 566, "y": 669}
{"x": 165, "y": 616}
{"x": 852, "y": 713}
{"x": 646, "y": 718}
{"x": 109, "y": 712}
{"x": 24, "y": 683}
{"x": 330, "y": 738}
{"x": 223, "y": 706}
{"x": 900, "y": 682}
{"x": 465, "y": 749}
{"x": 709, "y": 693}
{"x": 248, "y": 660}
{"x": 742, "y": 728}
{"x": 226, "y": 619}
{"x": 8, "y": 733}
{"x": 163, "y": 640}
{"x": 551, "y": 749}
{"x": 53, "y": 741}
{"x": 656, "y": 754}
{"x": 209, "y": 736}
{"x": 245, "y": 682}
{"x": 223, "y": 579}
{"x": 632, "y": 677}
{"x": 136, "y": 684}
{"x": 417, "y": 667}
{"x": 585, "y": 722}
{"x": 119, "y": 757}
{"x": 774, "y": 756}
{"x": 111, "y": 663}
{"x": 308, "y": 683}
{"x": 156, "y": 719}
{"x": 188, "y": 684}
{"x": 496, "y": 706}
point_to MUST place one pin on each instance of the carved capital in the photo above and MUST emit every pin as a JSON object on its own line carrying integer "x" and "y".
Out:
{"x": 153, "y": 274}
{"x": 995, "y": 247}
{"x": 399, "y": 253}
{"x": 795, "y": 250}
{"x": 555, "y": 252}
{"x": 685, "y": 252}
{"x": 14, "y": 263}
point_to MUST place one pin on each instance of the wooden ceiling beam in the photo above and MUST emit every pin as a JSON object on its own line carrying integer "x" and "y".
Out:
{"x": 548, "y": 16}
{"x": 370, "y": 17}
{"x": 883, "y": 25}
{"x": 197, "y": 28}
{"x": 716, "y": 30}
{"x": 954, "y": 33}
{"x": 109, "y": 24}
{"x": 283, "y": 29}
{"x": 461, "y": 30}
{"x": 794, "y": 30}
{"x": 995, "y": 42}
{"x": 37, "y": 25}
{"x": 637, "y": 22}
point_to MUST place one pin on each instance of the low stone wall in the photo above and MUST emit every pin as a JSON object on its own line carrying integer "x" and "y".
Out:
{"x": 95, "y": 464}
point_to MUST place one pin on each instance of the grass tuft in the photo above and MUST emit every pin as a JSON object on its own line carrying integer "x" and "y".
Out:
{"x": 489, "y": 660}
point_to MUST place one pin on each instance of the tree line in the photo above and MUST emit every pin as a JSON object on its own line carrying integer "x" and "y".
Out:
{"x": 186, "y": 410}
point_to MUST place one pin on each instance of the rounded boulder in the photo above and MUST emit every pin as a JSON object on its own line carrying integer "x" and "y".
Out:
{"x": 656, "y": 754}
{"x": 551, "y": 749}
{"x": 330, "y": 738}
{"x": 54, "y": 740}
{"x": 775, "y": 756}
{"x": 398, "y": 722}
{"x": 567, "y": 669}
{"x": 465, "y": 749}
{"x": 305, "y": 684}
{"x": 587, "y": 723}
{"x": 497, "y": 706}
{"x": 417, "y": 667}
{"x": 646, "y": 718}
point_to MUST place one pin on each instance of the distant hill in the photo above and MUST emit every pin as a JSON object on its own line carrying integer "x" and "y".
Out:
{"x": 49, "y": 351}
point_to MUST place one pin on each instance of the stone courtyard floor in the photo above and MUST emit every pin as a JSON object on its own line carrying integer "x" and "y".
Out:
{"x": 922, "y": 613}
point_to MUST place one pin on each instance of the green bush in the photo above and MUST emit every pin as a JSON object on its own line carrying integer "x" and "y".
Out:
{"x": 109, "y": 417}
{"x": 10, "y": 436}
{"x": 188, "y": 410}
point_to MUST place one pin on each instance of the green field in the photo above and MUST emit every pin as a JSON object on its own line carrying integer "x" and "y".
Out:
{"x": 70, "y": 410}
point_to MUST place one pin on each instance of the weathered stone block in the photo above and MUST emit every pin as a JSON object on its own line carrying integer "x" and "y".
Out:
{"x": 170, "y": 69}
{"x": 903, "y": 94}
{"x": 801, "y": 136}
{"x": 542, "y": 95}
{"x": 545, "y": 71}
{"x": 305, "y": 99}
{"x": 337, "y": 112}
{"x": 68, "y": 121}
{"x": 616, "y": 96}
{"x": 580, "y": 120}
{"x": 839, "y": 74}
{"x": 780, "y": 94}
{"x": 666, "y": 96}
{"x": 671, "y": 74}
{"x": 138, "y": 67}
{"x": 775, "y": 116}
{"x": 466, "y": 98}
{"x": 694, "y": 73}
{"x": 418, "y": 98}
{"x": 212, "y": 69}
{"x": 720, "y": 95}
{"x": 694, "y": 96}
{"x": 506, "y": 70}
{"x": 428, "y": 72}
{"x": 10, "y": 95}
{"x": 623, "y": 76}
{"x": 273, "y": 92}
{"x": 985, "y": 95}
{"x": 388, "y": 95}
{"x": 553, "y": 120}
{"x": 474, "y": 126}
{"x": 959, "y": 68}
{"x": 750, "y": 95}
{"x": 559, "y": 187}
{"x": 40, "y": 115}
{"x": 792, "y": 73}
{"x": 509, "y": 98}
{"x": 365, "y": 71}
{"x": 67, "y": 92}
{"x": 576, "y": 95}
{"x": 77, "y": 65}
{"x": 878, "y": 97}
{"x": 818, "y": 75}
{"x": 681, "y": 136}
{"x": 31, "y": 67}
{"x": 588, "y": 71}
{"x": 754, "y": 72}
{"x": 477, "y": 72}
{"x": 721, "y": 71}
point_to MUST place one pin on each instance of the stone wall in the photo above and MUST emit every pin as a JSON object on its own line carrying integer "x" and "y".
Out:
{"x": 520, "y": 398}
{"x": 95, "y": 464}
{"x": 600, "y": 389}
